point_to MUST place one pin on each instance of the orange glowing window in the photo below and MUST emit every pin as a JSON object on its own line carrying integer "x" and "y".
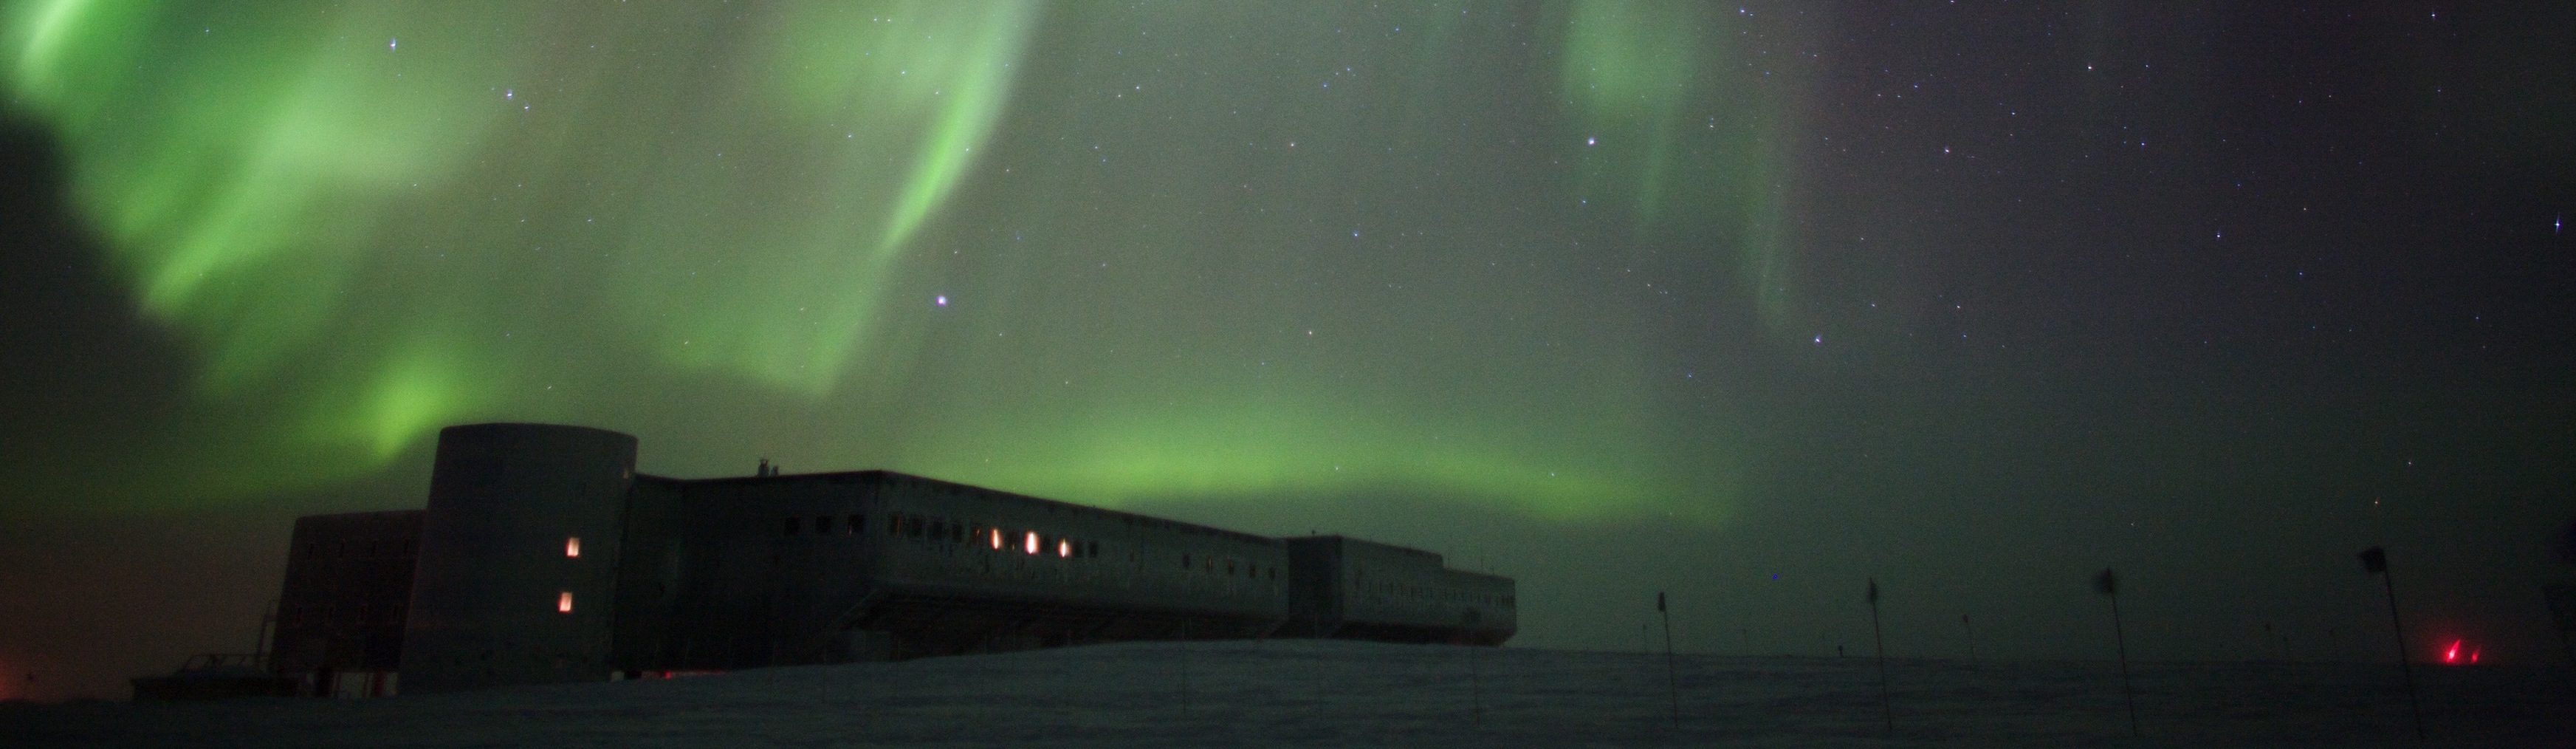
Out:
{"x": 572, "y": 546}
{"x": 563, "y": 602}
{"x": 1063, "y": 548}
{"x": 1032, "y": 542}
{"x": 997, "y": 538}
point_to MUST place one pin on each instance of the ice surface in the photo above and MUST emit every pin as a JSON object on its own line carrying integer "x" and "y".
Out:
{"x": 1308, "y": 693}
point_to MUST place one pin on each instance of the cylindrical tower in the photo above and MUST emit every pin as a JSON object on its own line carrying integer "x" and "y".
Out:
{"x": 518, "y": 554}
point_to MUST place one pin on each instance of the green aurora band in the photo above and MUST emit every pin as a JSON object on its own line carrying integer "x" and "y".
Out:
{"x": 1179, "y": 252}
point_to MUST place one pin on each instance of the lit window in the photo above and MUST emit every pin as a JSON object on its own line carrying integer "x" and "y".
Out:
{"x": 572, "y": 546}
{"x": 997, "y": 538}
{"x": 1063, "y": 548}
{"x": 1032, "y": 543}
{"x": 563, "y": 602}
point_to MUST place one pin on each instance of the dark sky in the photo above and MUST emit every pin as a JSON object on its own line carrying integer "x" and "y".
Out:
{"x": 1745, "y": 303}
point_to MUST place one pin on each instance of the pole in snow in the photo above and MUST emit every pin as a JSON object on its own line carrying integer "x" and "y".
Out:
{"x": 1885, "y": 706}
{"x": 1972, "y": 641}
{"x": 1672, "y": 683}
{"x": 2374, "y": 560}
{"x": 2108, "y": 583}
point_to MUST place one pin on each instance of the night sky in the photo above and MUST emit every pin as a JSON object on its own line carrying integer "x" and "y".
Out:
{"x": 1744, "y": 303}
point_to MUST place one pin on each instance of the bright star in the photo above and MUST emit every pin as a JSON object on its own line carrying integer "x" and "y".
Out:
{"x": 941, "y": 300}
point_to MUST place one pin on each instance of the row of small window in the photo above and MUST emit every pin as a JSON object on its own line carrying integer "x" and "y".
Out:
{"x": 823, "y": 525}
{"x": 1451, "y": 595}
{"x": 1250, "y": 570}
{"x": 1026, "y": 542}
{"x": 993, "y": 537}
{"x": 951, "y": 531}
{"x": 410, "y": 548}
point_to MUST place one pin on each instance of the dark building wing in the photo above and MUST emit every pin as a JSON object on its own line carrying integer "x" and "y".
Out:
{"x": 543, "y": 557}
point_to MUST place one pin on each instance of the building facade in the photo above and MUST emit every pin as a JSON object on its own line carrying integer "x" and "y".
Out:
{"x": 544, "y": 558}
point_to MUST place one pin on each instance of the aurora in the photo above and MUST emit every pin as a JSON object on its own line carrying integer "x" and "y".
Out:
{"x": 1745, "y": 305}
{"x": 1176, "y": 252}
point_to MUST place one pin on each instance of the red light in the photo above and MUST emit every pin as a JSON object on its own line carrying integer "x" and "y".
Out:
{"x": 2452, "y": 655}
{"x": 2473, "y": 654}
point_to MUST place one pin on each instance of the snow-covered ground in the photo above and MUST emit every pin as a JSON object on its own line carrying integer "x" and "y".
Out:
{"x": 1306, "y": 693}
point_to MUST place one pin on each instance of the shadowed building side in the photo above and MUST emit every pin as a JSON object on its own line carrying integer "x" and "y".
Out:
{"x": 517, "y": 555}
{"x": 341, "y": 613}
{"x": 1353, "y": 589}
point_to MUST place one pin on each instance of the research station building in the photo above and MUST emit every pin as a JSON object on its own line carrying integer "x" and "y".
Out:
{"x": 543, "y": 557}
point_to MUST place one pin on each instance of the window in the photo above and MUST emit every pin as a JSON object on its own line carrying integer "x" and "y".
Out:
{"x": 894, "y": 524}
{"x": 791, "y": 526}
{"x": 912, "y": 525}
{"x": 572, "y": 546}
{"x": 997, "y": 539}
{"x": 858, "y": 523}
{"x": 822, "y": 525}
{"x": 1063, "y": 548}
{"x": 956, "y": 533}
{"x": 1185, "y": 561}
{"x": 1094, "y": 550}
{"x": 938, "y": 529}
{"x": 1031, "y": 544}
{"x": 563, "y": 603}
